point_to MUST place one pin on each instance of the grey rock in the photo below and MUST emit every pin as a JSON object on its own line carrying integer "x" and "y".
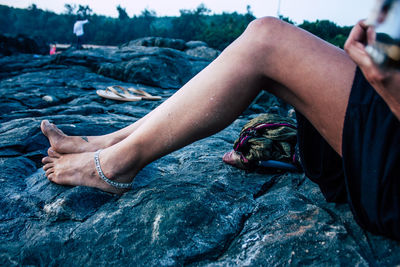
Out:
{"x": 203, "y": 52}
{"x": 23, "y": 63}
{"x": 177, "y": 44}
{"x": 10, "y": 44}
{"x": 187, "y": 208}
{"x": 194, "y": 44}
{"x": 161, "y": 67}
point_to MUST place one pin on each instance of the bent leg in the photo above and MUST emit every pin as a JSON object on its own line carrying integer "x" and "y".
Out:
{"x": 314, "y": 76}
{"x": 310, "y": 74}
{"x": 296, "y": 66}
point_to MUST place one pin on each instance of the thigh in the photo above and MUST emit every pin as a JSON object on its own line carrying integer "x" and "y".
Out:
{"x": 307, "y": 72}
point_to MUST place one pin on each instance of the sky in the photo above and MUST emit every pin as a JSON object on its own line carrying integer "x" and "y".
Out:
{"x": 342, "y": 12}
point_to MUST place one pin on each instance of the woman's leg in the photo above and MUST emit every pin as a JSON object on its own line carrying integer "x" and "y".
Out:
{"x": 310, "y": 74}
{"x": 64, "y": 144}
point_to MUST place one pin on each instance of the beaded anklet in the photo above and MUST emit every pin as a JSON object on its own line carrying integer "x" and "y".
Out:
{"x": 104, "y": 178}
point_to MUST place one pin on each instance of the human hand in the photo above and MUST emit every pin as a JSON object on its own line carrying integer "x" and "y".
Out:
{"x": 386, "y": 82}
{"x": 359, "y": 37}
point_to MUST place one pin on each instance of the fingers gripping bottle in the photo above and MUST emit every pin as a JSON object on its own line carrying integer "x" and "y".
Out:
{"x": 384, "y": 47}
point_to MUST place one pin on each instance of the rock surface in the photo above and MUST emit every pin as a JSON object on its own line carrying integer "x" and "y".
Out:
{"x": 10, "y": 45}
{"x": 177, "y": 44}
{"x": 154, "y": 66}
{"x": 198, "y": 49}
{"x": 188, "y": 208}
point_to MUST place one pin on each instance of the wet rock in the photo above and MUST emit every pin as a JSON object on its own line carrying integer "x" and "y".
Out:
{"x": 161, "y": 67}
{"x": 23, "y": 63}
{"x": 194, "y": 44}
{"x": 154, "y": 61}
{"x": 21, "y": 44}
{"x": 177, "y": 44}
{"x": 203, "y": 52}
{"x": 187, "y": 208}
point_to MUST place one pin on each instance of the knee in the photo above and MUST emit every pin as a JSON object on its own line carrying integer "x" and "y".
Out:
{"x": 266, "y": 31}
{"x": 264, "y": 23}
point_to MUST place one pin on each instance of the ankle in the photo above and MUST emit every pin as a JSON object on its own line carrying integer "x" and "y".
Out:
{"x": 119, "y": 165}
{"x": 105, "y": 141}
{"x": 118, "y": 186}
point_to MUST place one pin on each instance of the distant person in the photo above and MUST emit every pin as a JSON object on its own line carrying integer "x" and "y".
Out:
{"x": 53, "y": 49}
{"x": 78, "y": 31}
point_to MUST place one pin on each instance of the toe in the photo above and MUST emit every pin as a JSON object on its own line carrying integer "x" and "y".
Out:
{"x": 49, "y": 128}
{"x": 52, "y": 153}
{"x": 48, "y": 166}
{"x": 50, "y": 177}
{"x": 47, "y": 160}
{"x": 44, "y": 125}
{"x": 229, "y": 157}
{"x": 49, "y": 172}
{"x": 233, "y": 158}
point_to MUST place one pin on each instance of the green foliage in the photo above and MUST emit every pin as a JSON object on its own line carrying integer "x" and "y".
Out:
{"x": 286, "y": 19}
{"x": 190, "y": 24}
{"x": 122, "y": 15}
{"x": 69, "y": 9}
{"x": 221, "y": 30}
{"x": 327, "y": 31}
{"x": 84, "y": 11}
{"x": 218, "y": 30}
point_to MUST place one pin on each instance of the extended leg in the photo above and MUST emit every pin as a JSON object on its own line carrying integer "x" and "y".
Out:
{"x": 310, "y": 74}
{"x": 62, "y": 143}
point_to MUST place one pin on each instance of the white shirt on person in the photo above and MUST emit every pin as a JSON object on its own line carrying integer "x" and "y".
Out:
{"x": 78, "y": 27}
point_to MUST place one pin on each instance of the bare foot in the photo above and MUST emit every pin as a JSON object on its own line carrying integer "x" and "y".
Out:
{"x": 233, "y": 158}
{"x": 63, "y": 143}
{"x": 79, "y": 169}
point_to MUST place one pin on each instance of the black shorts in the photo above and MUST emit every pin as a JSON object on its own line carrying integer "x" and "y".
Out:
{"x": 368, "y": 175}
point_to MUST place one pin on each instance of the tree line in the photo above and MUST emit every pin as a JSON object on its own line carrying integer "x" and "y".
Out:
{"x": 217, "y": 30}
